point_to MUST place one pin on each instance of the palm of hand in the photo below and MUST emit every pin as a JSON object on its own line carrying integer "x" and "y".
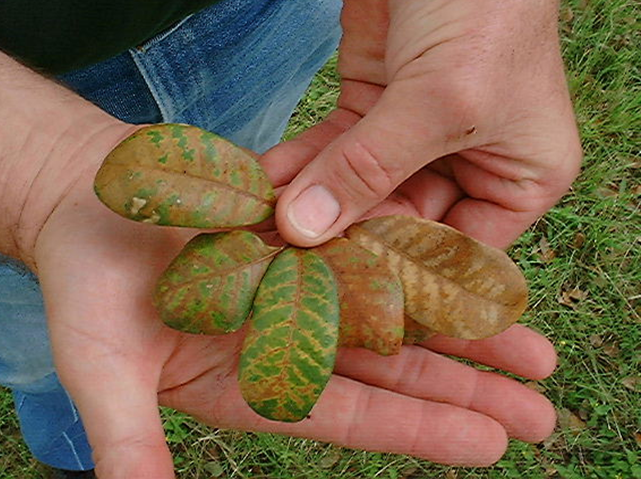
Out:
{"x": 118, "y": 361}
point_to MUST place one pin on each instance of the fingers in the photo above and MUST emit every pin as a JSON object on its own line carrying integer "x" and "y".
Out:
{"x": 283, "y": 162}
{"x": 356, "y": 415}
{"x": 420, "y": 373}
{"x": 417, "y": 403}
{"x": 519, "y": 350}
{"x": 359, "y": 169}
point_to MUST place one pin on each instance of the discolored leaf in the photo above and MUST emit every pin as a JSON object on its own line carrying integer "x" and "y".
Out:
{"x": 370, "y": 295}
{"x": 415, "y": 333}
{"x": 180, "y": 175}
{"x": 453, "y": 284}
{"x": 210, "y": 286}
{"x": 290, "y": 348}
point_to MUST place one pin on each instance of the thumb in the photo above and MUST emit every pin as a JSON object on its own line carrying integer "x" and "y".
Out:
{"x": 121, "y": 416}
{"x": 115, "y": 391}
{"x": 362, "y": 167}
{"x": 125, "y": 431}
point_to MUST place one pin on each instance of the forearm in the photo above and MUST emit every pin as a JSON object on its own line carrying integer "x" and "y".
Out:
{"x": 48, "y": 137}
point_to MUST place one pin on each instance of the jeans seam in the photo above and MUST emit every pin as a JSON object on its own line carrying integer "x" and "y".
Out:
{"x": 150, "y": 85}
{"x": 73, "y": 450}
{"x": 158, "y": 38}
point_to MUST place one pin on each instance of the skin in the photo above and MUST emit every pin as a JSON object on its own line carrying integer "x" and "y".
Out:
{"x": 418, "y": 402}
{"x": 451, "y": 110}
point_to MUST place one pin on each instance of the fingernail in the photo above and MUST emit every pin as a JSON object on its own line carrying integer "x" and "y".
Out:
{"x": 314, "y": 211}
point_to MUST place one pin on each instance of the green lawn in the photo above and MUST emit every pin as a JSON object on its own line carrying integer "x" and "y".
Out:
{"x": 582, "y": 261}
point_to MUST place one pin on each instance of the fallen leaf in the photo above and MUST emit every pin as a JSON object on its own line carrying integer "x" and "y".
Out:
{"x": 566, "y": 14}
{"x": 572, "y": 297}
{"x": 633, "y": 383}
{"x": 547, "y": 253}
{"x": 329, "y": 460}
{"x": 579, "y": 240}
{"x": 612, "y": 350}
{"x": 637, "y": 438}
{"x": 214, "y": 468}
{"x": 453, "y": 284}
{"x": 596, "y": 341}
{"x": 409, "y": 472}
{"x": 570, "y": 421}
{"x": 536, "y": 386}
{"x": 451, "y": 474}
{"x": 607, "y": 192}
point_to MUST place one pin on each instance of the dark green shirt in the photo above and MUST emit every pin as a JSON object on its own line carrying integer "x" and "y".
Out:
{"x": 57, "y": 36}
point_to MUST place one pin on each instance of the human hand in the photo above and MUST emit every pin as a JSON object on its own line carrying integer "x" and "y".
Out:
{"x": 119, "y": 362}
{"x": 456, "y": 111}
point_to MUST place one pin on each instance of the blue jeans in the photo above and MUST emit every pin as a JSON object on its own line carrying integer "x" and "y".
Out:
{"x": 237, "y": 68}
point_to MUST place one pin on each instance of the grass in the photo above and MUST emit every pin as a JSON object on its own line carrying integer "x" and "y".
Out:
{"x": 582, "y": 261}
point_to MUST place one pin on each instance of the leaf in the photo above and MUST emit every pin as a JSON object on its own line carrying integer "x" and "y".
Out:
{"x": 633, "y": 383}
{"x": 370, "y": 296}
{"x": 290, "y": 348}
{"x": 180, "y": 175}
{"x": 210, "y": 286}
{"x": 570, "y": 421}
{"x": 453, "y": 284}
{"x": 547, "y": 253}
{"x": 572, "y": 297}
{"x": 415, "y": 332}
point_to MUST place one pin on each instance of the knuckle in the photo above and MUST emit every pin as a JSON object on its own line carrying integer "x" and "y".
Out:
{"x": 364, "y": 172}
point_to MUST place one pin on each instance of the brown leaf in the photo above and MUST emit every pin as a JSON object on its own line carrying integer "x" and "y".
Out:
{"x": 453, "y": 284}
{"x": 579, "y": 240}
{"x": 547, "y": 253}
{"x": 566, "y": 14}
{"x": 633, "y": 383}
{"x": 570, "y": 421}
{"x": 409, "y": 472}
{"x": 596, "y": 341}
{"x": 637, "y": 438}
{"x": 371, "y": 297}
{"x": 330, "y": 459}
{"x": 612, "y": 350}
{"x": 607, "y": 192}
{"x": 415, "y": 333}
{"x": 572, "y": 296}
{"x": 536, "y": 386}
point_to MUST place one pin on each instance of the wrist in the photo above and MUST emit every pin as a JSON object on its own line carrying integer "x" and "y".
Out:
{"x": 48, "y": 137}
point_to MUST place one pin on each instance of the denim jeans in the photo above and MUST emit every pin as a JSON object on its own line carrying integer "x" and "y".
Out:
{"x": 237, "y": 68}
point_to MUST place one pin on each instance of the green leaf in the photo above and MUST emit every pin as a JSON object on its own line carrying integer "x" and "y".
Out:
{"x": 371, "y": 297}
{"x": 210, "y": 286}
{"x": 290, "y": 348}
{"x": 180, "y": 175}
{"x": 453, "y": 284}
